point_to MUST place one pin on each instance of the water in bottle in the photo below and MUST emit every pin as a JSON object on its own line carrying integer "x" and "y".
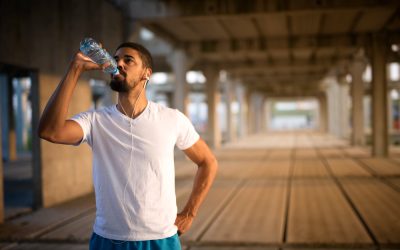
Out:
{"x": 92, "y": 49}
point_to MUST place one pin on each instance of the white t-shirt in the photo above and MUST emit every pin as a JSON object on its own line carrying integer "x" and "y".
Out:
{"x": 135, "y": 199}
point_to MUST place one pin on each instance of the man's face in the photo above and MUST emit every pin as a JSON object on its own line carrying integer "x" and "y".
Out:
{"x": 131, "y": 70}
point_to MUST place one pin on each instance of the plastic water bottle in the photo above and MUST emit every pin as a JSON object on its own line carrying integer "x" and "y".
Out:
{"x": 92, "y": 49}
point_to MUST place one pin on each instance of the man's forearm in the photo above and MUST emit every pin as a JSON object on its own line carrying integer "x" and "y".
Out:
{"x": 55, "y": 113}
{"x": 204, "y": 178}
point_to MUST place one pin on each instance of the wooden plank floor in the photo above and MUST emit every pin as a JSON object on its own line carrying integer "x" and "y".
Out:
{"x": 273, "y": 191}
{"x": 346, "y": 167}
{"x": 257, "y": 213}
{"x": 382, "y": 166}
{"x": 319, "y": 213}
{"x": 379, "y": 206}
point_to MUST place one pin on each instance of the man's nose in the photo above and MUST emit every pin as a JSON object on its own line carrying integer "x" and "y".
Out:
{"x": 120, "y": 64}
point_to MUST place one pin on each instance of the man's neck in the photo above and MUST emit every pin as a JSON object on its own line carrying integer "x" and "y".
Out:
{"x": 131, "y": 105}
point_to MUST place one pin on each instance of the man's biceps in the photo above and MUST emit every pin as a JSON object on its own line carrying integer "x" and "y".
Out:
{"x": 73, "y": 130}
{"x": 198, "y": 152}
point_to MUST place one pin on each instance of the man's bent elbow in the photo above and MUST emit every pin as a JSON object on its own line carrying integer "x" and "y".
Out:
{"x": 45, "y": 135}
{"x": 212, "y": 164}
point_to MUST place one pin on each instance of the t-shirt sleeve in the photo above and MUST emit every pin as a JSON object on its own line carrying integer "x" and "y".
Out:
{"x": 187, "y": 135}
{"x": 84, "y": 120}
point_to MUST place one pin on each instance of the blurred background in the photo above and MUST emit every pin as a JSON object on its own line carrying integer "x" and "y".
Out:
{"x": 261, "y": 80}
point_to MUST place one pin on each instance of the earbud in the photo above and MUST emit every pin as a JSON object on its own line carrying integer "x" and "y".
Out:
{"x": 147, "y": 78}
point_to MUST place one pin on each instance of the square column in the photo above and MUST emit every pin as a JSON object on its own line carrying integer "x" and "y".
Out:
{"x": 344, "y": 108}
{"x": 379, "y": 97}
{"x": 1, "y": 186}
{"x": 212, "y": 92}
{"x": 250, "y": 111}
{"x": 357, "y": 94}
{"x": 323, "y": 117}
{"x": 242, "y": 98}
{"x": 179, "y": 64}
{"x": 229, "y": 88}
{"x": 267, "y": 119}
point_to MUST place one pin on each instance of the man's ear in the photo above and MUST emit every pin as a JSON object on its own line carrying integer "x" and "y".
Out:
{"x": 148, "y": 73}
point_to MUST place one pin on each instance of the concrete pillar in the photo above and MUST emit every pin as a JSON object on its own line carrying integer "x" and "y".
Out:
{"x": 179, "y": 63}
{"x": 357, "y": 68}
{"x": 379, "y": 97}
{"x": 66, "y": 172}
{"x": 263, "y": 116}
{"x": 1, "y": 185}
{"x": 241, "y": 93}
{"x": 397, "y": 122}
{"x": 229, "y": 88}
{"x": 212, "y": 91}
{"x": 344, "y": 109}
{"x": 390, "y": 114}
{"x": 323, "y": 116}
{"x": 258, "y": 112}
{"x": 337, "y": 93}
{"x": 331, "y": 87}
{"x": 268, "y": 118}
{"x": 12, "y": 135}
{"x": 250, "y": 111}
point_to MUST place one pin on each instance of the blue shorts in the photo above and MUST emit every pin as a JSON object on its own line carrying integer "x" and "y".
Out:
{"x": 100, "y": 243}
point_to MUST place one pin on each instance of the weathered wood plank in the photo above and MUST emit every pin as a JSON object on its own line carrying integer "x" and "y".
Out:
{"x": 216, "y": 199}
{"x": 31, "y": 225}
{"x": 319, "y": 213}
{"x": 256, "y": 214}
{"x": 379, "y": 206}
{"x": 309, "y": 168}
{"x": 331, "y": 152}
{"x": 346, "y": 167}
{"x": 78, "y": 230}
{"x": 49, "y": 246}
{"x": 382, "y": 166}
{"x": 272, "y": 169}
{"x": 305, "y": 153}
{"x": 280, "y": 154}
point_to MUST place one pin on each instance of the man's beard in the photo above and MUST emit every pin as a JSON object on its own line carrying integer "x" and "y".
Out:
{"x": 119, "y": 86}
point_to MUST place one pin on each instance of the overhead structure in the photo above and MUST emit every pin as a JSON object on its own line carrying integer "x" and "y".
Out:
{"x": 285, "y": 48}
{"x": 269, "y": 42}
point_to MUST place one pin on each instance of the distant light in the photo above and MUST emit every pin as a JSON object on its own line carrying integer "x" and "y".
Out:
{"x": 367, "y": 75}
{"x": 195, "y": 77}
{"x": 235, "y": 107}
{"x": 295, "y": 105}
{"x": 146, "y": 34}
{"x": 394, "y": 71}
{"x": 394, "y": 94}
{"x": 159, "y": 78}
{"x": 285, "y": 106}
{"x": 349, "y": 78}
{"x": 223, "y": 75}
{"x": 395, "y": 47}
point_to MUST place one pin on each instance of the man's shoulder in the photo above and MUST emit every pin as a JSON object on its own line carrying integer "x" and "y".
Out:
{"x": 162, "y": 109}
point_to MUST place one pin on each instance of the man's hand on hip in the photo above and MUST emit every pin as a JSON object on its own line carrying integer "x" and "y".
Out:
{"x": 183, "y": 222}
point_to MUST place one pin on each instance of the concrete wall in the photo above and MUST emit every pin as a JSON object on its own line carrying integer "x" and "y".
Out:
{"x": 66, "y": 170}
{"x": 44, "y": 35}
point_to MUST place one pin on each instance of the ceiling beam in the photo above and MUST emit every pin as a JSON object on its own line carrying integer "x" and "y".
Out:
{"x": 155, "y": 9}
{"x": 267, "y": 44}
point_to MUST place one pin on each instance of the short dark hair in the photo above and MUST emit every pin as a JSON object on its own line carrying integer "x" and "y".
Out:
{"x": 143, "y": 53}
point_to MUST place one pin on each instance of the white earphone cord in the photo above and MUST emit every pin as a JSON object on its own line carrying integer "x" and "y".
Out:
{"x": 130, "y": 157}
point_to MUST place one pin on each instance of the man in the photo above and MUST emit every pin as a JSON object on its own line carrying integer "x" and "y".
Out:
{"x": 133, "y": 155}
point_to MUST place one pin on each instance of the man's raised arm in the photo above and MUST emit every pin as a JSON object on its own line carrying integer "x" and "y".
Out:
{"x": 53, "y": 124}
